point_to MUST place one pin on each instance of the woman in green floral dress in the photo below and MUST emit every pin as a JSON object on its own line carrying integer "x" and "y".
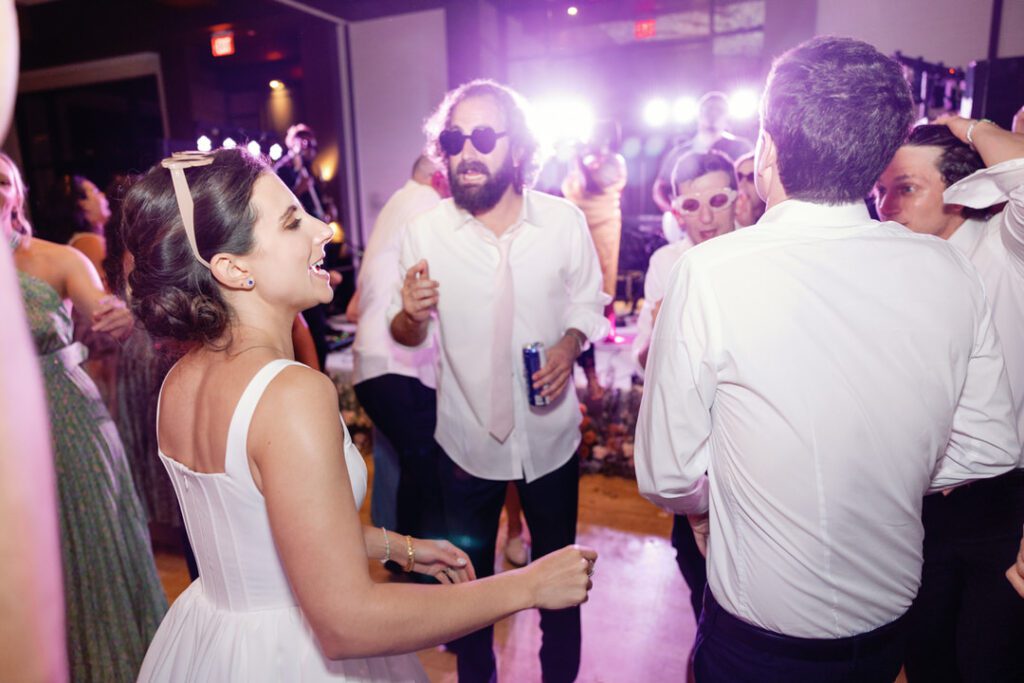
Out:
{"x": 114, "y": 601}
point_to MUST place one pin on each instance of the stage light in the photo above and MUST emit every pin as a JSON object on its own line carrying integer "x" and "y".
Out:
{"x": 656, "y": 113}
{"x": 743, "y": 104}
{"x": 276, "y": 85}
{"x": 337, "y": 232}
{"x": 555, "y": 121}
{"x": 276, "y": 151}
{"x": 254, "y": 148}
{"x": 685, "y": 109}
{"x": 204, "y": 144}
{"x": 572, "y": 11}
{"x": 229, "y": 143}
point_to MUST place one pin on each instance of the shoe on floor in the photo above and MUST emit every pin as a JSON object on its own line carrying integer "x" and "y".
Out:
{"x": 517, "y": 552}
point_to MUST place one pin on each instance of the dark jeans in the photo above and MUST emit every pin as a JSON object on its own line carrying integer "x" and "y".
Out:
{"x": 473, "y": 509}
{"x": 729, "y": 650}
{"x": 406, "y": 411}
{"x": 967, "y": 623}
{"x": 691, "y": 562}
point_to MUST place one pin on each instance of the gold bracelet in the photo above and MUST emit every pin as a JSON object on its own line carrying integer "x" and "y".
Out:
{"x": 387, "y": 546}
{"x": 410, "y": 554}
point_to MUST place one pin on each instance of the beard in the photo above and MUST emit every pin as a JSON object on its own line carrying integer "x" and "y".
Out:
{"x": 480, "y": 198}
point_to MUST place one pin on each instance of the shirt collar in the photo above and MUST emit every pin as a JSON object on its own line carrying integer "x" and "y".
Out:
{"x": 966, "y": 237}
{"x": 797, "y": 212}
{"x": 528, "y": 214}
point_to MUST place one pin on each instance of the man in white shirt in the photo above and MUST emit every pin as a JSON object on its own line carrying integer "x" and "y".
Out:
{"x": 493, "y": 269}
{"x": 396, "y": 384}
{"x": 704, "y": 196}
{"x": 809, "y": 381}
{"x": 966, "y": 623}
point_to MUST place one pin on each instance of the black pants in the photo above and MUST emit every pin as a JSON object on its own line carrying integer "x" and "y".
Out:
{"x": 967, "y": 622}
{"x": 473, "y": 509}
{"x": 406, "y": 411}
{"x": 729, "y": 650}
{"x": 691, "y": 563}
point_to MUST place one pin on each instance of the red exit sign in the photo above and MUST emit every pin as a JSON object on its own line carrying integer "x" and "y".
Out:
{"x": 222, "y": 43}
{"x": 643, "y": 29}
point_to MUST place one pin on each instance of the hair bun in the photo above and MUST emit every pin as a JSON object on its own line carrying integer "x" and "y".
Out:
{"x": 173, "y": 313}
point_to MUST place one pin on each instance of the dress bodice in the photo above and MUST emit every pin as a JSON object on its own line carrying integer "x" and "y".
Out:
{"x": 226, "y": 515}
{"x": 48, "y": 319}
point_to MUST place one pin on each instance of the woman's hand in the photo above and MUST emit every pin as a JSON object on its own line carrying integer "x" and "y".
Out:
{"x": 439, "y": 559}
{"x": 112, "y": 317}
{"x": 562, "y": 579}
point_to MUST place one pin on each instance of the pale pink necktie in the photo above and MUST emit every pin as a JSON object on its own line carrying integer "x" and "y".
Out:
{"x": 502, "y": 417}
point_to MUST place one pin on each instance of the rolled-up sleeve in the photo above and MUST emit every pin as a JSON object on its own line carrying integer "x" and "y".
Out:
{"x": 409, "y": 255}
{"x": 674, "y": 426}
{"x": 587, "y": 298}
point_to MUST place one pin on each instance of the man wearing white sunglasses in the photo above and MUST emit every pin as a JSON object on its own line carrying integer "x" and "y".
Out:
{"x": 704, "y": 204}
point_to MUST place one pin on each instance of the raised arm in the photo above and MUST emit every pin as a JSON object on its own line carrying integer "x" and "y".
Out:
{"x": 1003, "y": 180}
{"x": 297, "y": 442}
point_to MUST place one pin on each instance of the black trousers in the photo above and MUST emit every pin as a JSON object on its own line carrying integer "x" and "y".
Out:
{"x": 406, "y": 411}
{"x": 729, "y": 650}
{"x": 691, "y": 563}
{"x": 967, "y": 622}
{"x": 473, "y": 510}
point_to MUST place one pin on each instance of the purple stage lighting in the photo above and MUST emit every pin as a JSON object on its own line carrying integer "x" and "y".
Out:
{"x": 572, "y": 11}
{"x": 743, "y": 104}
{"x": 254, "y": 148}
{"x": 229, "y": 143}
{"x": 656, "y": 112}
{"x": 204, "y": 144}
{"x": 275, "y": 152}
{"x": 685, "y": 109}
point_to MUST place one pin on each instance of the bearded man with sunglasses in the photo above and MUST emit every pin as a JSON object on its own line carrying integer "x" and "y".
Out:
{"x": 494, "y": 268}
{"x": 810, "y": 380}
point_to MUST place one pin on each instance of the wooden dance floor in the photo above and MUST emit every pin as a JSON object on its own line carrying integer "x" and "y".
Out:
{"x": 637, "y": 625}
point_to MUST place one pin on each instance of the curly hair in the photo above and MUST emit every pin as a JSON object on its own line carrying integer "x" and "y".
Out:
{"x": 174, "y": 295}
{"x": 837, "y": 110}
{"x": 522, "y": 141}
{"x": 19, "y": 220}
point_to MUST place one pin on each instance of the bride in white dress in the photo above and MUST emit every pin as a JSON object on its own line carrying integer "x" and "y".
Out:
{"x": 267, "y": 477}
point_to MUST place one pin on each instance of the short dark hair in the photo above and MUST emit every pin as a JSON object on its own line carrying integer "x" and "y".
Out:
{"x": 173, "y": 294}
{"x": 956, "y": 160}
{"x": 522, "y": 140}
{"x": 837, "y": 110}
{"x": 693, "y": 165}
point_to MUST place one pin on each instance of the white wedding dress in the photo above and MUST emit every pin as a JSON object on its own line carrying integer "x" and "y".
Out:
{"x": 239, "y": 620}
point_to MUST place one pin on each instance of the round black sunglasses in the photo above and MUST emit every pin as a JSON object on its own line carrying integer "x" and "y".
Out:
{"x": 483, "y": 138}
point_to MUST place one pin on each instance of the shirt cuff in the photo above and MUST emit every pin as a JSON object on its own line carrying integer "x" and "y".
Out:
{"x": 987, "y": 187}
{"x": 693, "y": 502}
{"x": 593, "y": 325}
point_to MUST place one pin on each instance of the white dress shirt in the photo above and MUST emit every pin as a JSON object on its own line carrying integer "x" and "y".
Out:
{"x": 655, "y": 285}
{"x": 825, "y": 371}
{"x": 996, "y": 248}
{"x": 374, "y": 352}
{"x": 557, "y": 286}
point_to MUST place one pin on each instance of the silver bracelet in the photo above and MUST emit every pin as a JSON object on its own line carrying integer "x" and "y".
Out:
{"x": 970, "y": 130}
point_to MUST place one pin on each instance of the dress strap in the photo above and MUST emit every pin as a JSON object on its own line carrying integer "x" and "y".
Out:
{"x": 236, "y": 462}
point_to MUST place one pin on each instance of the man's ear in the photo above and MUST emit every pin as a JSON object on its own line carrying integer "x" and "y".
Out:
{"x": 230, "y": 271}
{"x": 766, "y": 169}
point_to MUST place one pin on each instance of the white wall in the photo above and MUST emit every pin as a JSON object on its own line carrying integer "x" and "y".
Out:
{"x": 399, "y": 69}
{"x": 951, "y": 31}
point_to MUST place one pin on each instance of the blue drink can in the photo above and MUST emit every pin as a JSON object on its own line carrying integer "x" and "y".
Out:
{"x": 533, "y": 360}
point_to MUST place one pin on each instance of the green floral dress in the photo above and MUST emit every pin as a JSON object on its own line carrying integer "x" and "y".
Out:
{"x": 114, "y": 601}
